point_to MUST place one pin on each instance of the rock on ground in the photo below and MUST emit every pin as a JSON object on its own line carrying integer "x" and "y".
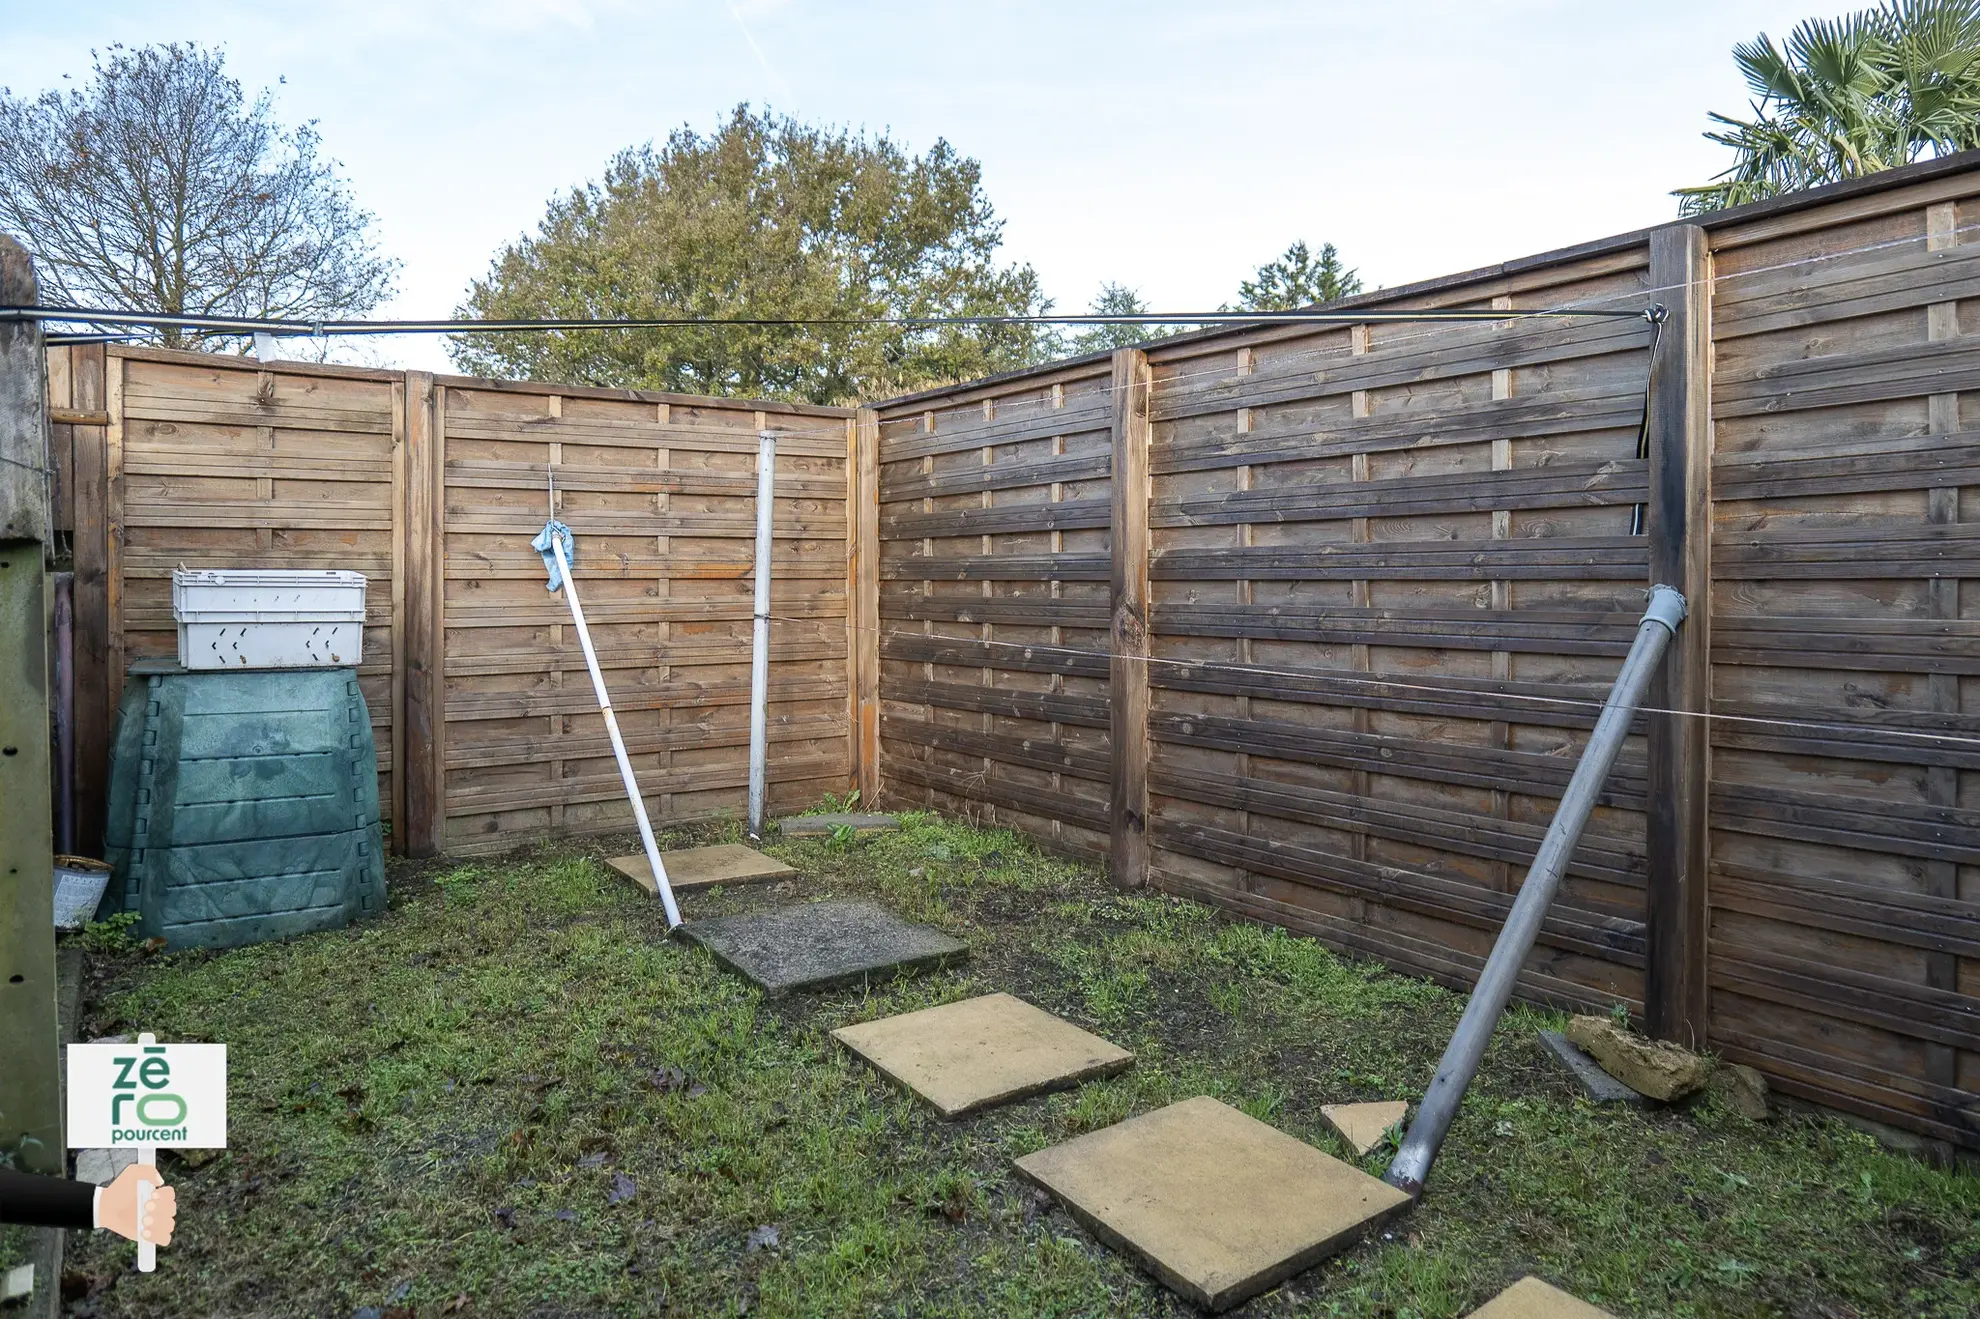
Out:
{"x": 1743, "y": 1088}
{"x": 1662, "y": 1071}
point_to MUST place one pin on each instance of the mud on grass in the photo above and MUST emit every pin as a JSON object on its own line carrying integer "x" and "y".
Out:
{"x": 512, "y": 1095}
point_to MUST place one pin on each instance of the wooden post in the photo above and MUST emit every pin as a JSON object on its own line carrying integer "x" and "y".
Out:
{"x": 30, "y": 1090}
{"x": 863, "y": 597}
{"x": 96, "y": 702}
{"x": 422, "y": 524}
{"x": 1127, "y": 664}
{"x": 1680, "y": 529}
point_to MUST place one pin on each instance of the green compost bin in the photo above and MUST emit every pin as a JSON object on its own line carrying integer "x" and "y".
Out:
{"x": 243, "y": 805}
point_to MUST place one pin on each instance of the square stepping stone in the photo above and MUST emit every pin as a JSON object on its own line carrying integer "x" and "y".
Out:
{"x": 1363, "y": 1126}
{"x": 981, "y": 1051}
{"x": 1217, "y": 1205}
{"x": 1599, "y": 1085}
{"x": 822, "y": 944}
{"x": 1530, "y": 1298}
{"x": 822, "y": 826}
{"x": 704, "y": 867}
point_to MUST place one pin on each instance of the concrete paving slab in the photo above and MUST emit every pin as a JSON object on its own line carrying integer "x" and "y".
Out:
{"x": 1530, "y": 1298}
{"x": 1363, "y": 1126}
{"x": 691, "y": 868}
{"x": 1216, "y": 1204}
{"x": 982, "y": 1051}
{"x": 815, "y": 826}
{"x": 1599, "y": 1085}
{"x": 822, "y": 944}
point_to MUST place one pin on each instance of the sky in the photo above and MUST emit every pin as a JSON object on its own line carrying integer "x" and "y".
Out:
{"x": 1169, "y": 147}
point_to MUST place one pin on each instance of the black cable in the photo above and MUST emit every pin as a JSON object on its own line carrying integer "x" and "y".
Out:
{"x": 95, "y": 316}
{"x": 1656, "y": 316}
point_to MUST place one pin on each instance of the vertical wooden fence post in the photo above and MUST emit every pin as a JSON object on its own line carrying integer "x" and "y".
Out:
{"x": 30, "y": 1094}
{"x": 423, "y": 831}
{"x": 90, "y": 546}
{"x": 1680, "y": 529}
{"x": 863, "y": 529}
{"x": 1127, "y": 666}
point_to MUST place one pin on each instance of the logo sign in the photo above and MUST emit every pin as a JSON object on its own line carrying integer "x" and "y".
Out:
{"x": 147, "y": 1094}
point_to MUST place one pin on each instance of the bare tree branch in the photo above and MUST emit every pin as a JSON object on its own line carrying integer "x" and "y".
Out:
{"x": 160, "y": 187}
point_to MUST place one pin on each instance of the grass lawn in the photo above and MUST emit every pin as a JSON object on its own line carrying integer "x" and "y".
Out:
{"x": 513, "y": 1096}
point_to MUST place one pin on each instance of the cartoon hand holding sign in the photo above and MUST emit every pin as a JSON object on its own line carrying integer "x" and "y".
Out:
{"x": 142, "y": 1096}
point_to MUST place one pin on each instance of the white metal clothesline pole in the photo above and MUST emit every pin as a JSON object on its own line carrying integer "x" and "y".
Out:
{"x": 612, "y": 728}
{"x": 759, "y": 659}
{"x": 147, "y": 1156}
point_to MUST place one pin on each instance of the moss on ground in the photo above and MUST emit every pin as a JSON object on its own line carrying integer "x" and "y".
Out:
{"x": 511, "y": 1095}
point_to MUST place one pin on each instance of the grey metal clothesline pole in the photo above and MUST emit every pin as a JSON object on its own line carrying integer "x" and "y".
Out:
{"x": 1411, "y": 1166}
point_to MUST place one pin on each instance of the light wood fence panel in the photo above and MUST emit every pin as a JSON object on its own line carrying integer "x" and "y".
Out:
{"x": 661, "y": 496}
{"x": 433, "y": 488}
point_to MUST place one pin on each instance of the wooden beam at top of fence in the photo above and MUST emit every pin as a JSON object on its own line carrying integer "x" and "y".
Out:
{"x": 1680, "y": 534}
{"x": 863, "y": 618}
{"x": 421, "y": 831}
{"x": 1127, "y": 665}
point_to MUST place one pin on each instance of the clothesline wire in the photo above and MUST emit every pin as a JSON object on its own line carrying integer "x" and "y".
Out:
{"x": 1352, "y": 680}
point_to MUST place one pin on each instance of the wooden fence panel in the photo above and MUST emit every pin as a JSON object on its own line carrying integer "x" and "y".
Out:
{"x": 661, "y": 496}
{"x": 1392, "y": 572}
{"x": 993, "y": 611}
{"x": 1392, "y": 567}
{"x": 220, "y": 462}
{"x": 433, "y": 489}
{"x": 1844, "y": 954}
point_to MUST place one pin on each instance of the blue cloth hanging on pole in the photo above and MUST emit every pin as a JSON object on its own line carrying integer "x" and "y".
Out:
{"x": 555, "y": 529}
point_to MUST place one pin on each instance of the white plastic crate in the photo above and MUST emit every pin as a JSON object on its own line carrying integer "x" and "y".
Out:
{"x": 268, "y": 618}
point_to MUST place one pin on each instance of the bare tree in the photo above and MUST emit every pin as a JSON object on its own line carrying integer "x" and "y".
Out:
{"x": 159, "y": 187}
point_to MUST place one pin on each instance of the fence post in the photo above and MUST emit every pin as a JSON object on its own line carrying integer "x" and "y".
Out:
{"x": 1127, "y": 667}
{"x": 422, "y": 524}
{"x": 863, "y": 603}
{"x": 1680, "y": 530}
{"x": 30, "y": 1095}
{"x": 96, "y": 703}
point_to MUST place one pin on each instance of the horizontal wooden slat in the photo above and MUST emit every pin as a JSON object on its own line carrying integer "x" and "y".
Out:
{"x": 900, "y": 483}
{"x": 995, "y": 568}
{"x": 1030, "y": 752}
{"x": 1024, "y": 610}
{"x": 1612, "y": 861}
{"x": 1915, "y": 920}
{"x": 477, "y": 800}
{"x": 988, "y": 788}
{"x": 1910, "y": 1010}
{"x": 1848, "y": 552}
{"x": 916, "y": 647}
{"x": 1065, "y": 515}
{"x": 1550, "y": 632}
{"x": 1045, "y": 707}
{"x": 580, "y": 699}
{"x": 1561, "y": 485}
{"x": 1525, "y": 772}
{"x": 1796, "y": 384}
{"x": 1565, "y": 412}
{"x": 1025, "y": 421}
{"x": 1536, "y": 559}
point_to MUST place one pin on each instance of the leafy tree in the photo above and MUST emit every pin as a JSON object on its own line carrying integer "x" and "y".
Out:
{"x": 1114, "y": 300}
{"x": 1847, "y": 97}
{"x": 1300, "y": 278}
{"x": 159, "y": 187}
{"x": 763, "y": 218}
